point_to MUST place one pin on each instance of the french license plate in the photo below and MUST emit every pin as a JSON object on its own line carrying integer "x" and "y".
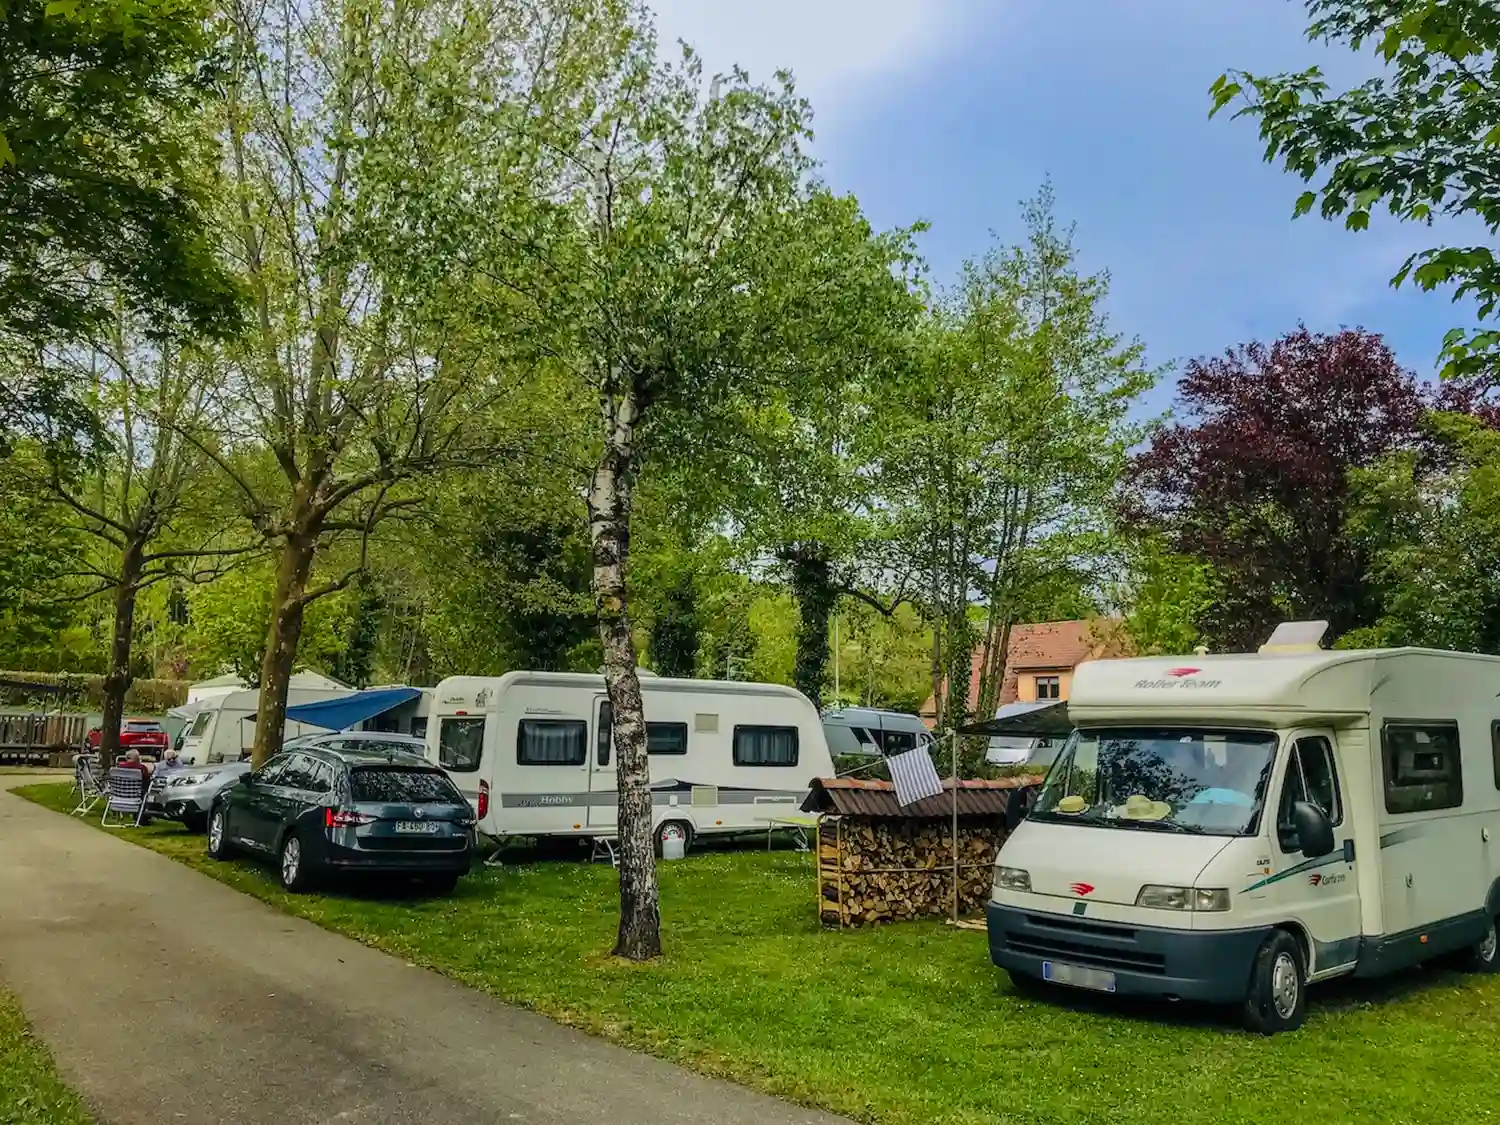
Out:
{"x": 417, "y": 827}
{"x": 1076, "y": 976}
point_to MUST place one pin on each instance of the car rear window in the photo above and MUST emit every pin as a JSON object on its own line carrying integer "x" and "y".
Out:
{"x": 379, "y": 783}
{"x": 153, "y": 727}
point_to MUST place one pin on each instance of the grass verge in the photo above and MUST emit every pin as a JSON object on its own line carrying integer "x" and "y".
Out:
{"x": 902, "y": 1024}
{"x": 31, "y": 1093}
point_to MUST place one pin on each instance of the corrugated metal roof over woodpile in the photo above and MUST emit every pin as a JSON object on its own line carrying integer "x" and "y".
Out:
{"x": 851, "y": 796}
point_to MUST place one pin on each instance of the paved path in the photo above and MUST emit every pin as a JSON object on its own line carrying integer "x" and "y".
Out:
{"x": 261, "y": 1018}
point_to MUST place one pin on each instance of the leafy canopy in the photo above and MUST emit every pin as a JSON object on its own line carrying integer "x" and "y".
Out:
{"x": 1423, "y": 139}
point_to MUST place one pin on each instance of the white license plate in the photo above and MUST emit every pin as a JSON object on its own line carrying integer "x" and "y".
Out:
{"x": 417, "y": 827}
{"x": 1076, "y": 976}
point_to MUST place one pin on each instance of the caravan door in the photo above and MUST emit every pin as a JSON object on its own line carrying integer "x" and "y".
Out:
{"x": 604, "y": 792}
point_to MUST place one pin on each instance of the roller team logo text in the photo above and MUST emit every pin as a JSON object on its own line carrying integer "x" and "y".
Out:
{"x": 1185, "y": 679}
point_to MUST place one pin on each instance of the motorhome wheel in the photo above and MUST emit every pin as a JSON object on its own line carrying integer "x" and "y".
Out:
{"x": 1484, "y": 955}
{"x": 1277, "y": 998}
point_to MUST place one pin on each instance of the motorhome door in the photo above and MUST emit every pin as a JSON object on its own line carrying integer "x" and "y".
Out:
{"x": 604, "y": 795}
{"x": 1322, "y": 891}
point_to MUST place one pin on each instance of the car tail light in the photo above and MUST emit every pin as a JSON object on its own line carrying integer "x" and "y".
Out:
{"x": 338, "y": 818}
{"x": 484, "y": 799}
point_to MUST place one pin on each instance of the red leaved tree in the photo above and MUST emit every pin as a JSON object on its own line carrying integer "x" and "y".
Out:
{"x": 1253, "y": 477}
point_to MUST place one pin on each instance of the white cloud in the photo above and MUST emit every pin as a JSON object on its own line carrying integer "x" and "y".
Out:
{"x": 837, "y": 49}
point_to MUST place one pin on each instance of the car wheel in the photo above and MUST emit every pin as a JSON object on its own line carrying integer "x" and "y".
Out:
{"x": 1484, "y": 955}
{"x": 674, "y": 830}
{"x": 218, "y": 833}
{"x": 1277, "y": 997}
{"x": 295, "y": 875}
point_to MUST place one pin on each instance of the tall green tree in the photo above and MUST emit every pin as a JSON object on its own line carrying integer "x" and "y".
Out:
{"x": 1422, "y": 139}
{"x": 105, "y": 174}
{"x": 1007, "y": 436}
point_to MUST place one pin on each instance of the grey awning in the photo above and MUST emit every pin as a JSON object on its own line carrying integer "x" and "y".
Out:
{"x": 1047, "y": 718}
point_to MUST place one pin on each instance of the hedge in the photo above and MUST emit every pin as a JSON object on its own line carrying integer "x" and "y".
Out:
{"x": 151, "y": 696}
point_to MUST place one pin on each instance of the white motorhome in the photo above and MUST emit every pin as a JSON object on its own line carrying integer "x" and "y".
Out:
{"x": 222, "y": 725}
{"x": 532, "y": 751}
{"x": 1231, "y": 828}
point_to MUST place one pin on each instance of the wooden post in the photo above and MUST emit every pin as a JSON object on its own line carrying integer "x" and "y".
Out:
{"x": 954, "y": 738}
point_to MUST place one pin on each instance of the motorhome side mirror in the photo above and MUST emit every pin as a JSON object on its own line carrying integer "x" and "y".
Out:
{"x": 1314, "y": 829}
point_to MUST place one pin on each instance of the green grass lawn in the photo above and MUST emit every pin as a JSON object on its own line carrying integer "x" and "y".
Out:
{"x": 908, "y": 1023}
{"x": 31, "y": 1093}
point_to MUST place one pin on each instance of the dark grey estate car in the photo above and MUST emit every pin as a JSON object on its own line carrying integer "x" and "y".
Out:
{"x": 316, "y": 809}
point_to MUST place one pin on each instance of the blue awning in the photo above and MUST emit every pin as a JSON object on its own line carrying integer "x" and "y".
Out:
{"x": 350, "y": 710}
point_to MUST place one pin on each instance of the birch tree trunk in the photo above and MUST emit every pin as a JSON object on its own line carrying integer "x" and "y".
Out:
{"x": 285, "y": 632}
{"x": 117, "y": 680}
{"x": 609, "y": 496}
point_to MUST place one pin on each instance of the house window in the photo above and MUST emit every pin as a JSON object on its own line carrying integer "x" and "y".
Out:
{"x": 765, "y": 746}
{"x": 552, "y": 742}
{"x": 1049, "y": 687}
{"x": 1420, "y": 766}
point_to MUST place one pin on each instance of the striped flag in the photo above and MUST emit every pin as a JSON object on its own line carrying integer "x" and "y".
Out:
{"x": 915, "y": 776}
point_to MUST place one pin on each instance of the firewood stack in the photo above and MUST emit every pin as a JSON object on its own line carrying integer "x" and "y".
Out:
{"x": 880, "y": 862}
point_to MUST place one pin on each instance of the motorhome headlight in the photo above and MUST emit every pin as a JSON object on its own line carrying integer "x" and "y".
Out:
{"x": 1012, "y": 879}
{"x": 1183, "y": 898}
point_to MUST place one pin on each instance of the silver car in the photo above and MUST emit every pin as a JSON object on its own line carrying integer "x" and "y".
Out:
{"x": 188, "y": 793}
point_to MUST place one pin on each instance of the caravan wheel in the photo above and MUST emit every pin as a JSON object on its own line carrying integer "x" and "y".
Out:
{"x": 674, "y": 830}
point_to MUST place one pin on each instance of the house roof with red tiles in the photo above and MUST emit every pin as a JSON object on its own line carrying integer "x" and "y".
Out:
{"x": 1046, "y": 646}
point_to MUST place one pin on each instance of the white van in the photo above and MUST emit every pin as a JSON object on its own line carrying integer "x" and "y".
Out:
{"x": 1230, "y": 828}
{"x": 532, "y": 752}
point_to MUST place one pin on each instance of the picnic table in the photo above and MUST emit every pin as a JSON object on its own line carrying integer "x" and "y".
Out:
{"x": 794, "y": 823}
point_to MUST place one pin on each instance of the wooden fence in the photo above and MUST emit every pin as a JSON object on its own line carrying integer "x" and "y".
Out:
{"x": 41, "y": 740}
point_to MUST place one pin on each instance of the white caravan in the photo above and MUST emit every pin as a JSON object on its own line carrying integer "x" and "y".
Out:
{"x": 223, "y": 725}
{"x": 532, "y": 752}
{"x": 1229, "y": 828}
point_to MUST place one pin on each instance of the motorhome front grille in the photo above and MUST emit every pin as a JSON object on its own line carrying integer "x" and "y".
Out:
{"x": 1070, "y": 925}
{"x": 1050, "y": 944}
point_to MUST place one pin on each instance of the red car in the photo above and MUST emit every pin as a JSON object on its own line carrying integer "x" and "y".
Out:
{"x": 146, "y": 735}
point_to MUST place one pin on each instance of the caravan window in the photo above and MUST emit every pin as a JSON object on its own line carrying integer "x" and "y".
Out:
{"x": 606, "y": 731}
{"x": 666, "y": 738}
{"x": 765, "y": 746}
{"x": 460, "y": 743}
{"x": 552, "y": 742}
{"x": 200, "y": 723}
{"x": 1421, "y": 766}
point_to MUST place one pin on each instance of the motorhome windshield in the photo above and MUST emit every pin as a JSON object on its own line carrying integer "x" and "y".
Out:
{"x": 1168, "y": 779}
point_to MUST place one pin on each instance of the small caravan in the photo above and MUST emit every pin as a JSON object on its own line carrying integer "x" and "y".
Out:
{"x": 222, "y": 724}
{"x": 1232, "y": 828}
{"x": 532, "y": 751}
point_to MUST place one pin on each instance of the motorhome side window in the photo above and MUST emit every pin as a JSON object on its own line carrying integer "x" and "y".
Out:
{"x": 1495, "y": 749}
{"x": 552, "y": 742}
{"x": 765, "y": 746}
{"x": 1420, "y": 767}
{"x": 460, "y": 744}
{"x": 1310, "y": 777}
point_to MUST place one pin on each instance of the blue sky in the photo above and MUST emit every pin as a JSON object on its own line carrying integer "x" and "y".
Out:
{"x": 953, "y": 111}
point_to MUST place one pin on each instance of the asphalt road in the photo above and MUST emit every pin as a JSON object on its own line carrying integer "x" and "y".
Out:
{"x": 168, "y": 997}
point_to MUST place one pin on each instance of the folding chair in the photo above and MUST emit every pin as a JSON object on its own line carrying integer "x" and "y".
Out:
{"x": 86, "y": 784}
{"x": 157, "y": 783}
{"x": 126, "y": 796}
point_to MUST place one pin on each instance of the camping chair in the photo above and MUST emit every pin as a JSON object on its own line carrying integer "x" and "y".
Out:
{"x": 126, "y": 797}
{"x": 157, "y": 783}
{"x": 86, "y": 784}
